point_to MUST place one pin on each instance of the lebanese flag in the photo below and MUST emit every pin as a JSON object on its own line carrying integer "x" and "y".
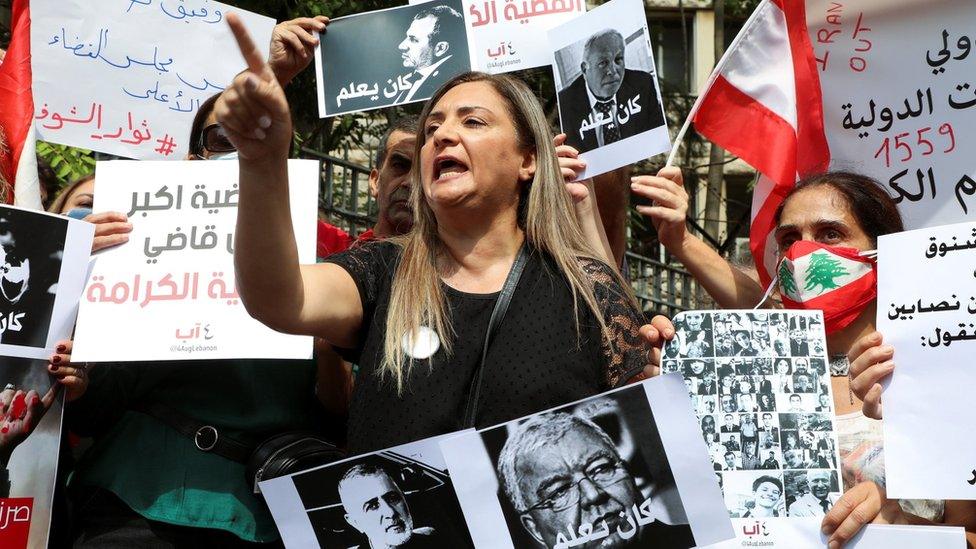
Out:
{"x": 829, "y": 278}
{"x": 18, "y": 163}
{"x": 763, "y": 104}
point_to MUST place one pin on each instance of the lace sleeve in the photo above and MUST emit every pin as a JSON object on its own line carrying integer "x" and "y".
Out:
{"x": 625, "y": 351}
{"x": 369, "y": 265}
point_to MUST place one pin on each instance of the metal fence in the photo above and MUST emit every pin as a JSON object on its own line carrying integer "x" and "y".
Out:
{"x": 344, "y": 197}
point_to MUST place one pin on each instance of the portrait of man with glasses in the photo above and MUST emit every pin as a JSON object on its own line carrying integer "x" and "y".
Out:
{"x": 565, "y": 478}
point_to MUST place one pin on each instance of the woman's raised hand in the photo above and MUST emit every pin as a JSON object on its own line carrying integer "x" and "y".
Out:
{"x": 253, "y": 109}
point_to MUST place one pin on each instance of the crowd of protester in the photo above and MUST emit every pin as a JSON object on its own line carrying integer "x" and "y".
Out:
{"x": 472, "y": 194}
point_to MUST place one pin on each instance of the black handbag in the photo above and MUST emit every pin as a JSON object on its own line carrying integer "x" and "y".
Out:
{"x": 289, "y": 453}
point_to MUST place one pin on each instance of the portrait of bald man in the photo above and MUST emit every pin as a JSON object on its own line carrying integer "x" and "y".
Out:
{"x": 376, "y": 507}
{"x": 607, "y": 102}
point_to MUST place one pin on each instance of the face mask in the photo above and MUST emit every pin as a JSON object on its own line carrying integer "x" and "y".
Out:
{"x": 224, "y": 156}
{"x": 839, "y": 281}
{"x": 79, "y": 213}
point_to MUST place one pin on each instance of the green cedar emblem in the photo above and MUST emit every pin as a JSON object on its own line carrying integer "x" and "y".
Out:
{"x": 786, "y": 281}
{"x": 823, "y": 271}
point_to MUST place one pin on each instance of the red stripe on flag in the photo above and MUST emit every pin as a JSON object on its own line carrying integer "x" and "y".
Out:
{"x": 749, "y": 130}
{"x": 813, "y": 155}
{"x": 17, "y": 113}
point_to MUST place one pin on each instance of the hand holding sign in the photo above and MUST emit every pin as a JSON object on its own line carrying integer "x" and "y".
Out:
{"x": 253, "y": 109}
{"x": 669, "y": 204}
{"x": 293, "y": 46}
{"x": 20, "y": 412}
{"x": 870, "y": 363}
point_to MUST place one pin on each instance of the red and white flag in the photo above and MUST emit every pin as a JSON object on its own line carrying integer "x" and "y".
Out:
{"x": 18, "y": 162}
{"x": 763, "y": 104}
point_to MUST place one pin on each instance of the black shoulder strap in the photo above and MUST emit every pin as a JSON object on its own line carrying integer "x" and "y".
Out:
{"x": 497, "y": 314}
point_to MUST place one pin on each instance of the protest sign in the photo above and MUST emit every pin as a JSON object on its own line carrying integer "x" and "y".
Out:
{"x": 759, "y": 383}
{"x": 900, "y": 99}
{"x": 390, "y": 57}
{"x": 169, "y": 292}
{"x": 43, "y": 264}
{"x": 30, "y": 435}
{"x": 399, "y": 497}
{"x": 126, "y": 77}
{"x": 520, "y": 483}
{"x": 506, "y": 37}
{"x": 891, "y": 536}
{"x": 609, "y": 100}
{"x": 926, "y": 303}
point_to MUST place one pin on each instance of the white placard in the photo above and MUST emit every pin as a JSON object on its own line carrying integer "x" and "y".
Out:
{"x": 900, "y": 99}
{"x": 759, "y": 383}
{"x": 650, "y": 481}
{"x": 169, "y": 293}
{"x": 126, "y": 77}
{"x": 44, "y": 260}
{"x": 890, "y": 536}
{"x": 611, "y": 112}
{"x": 401, "y": 496}
{"x": 926, "y": 308}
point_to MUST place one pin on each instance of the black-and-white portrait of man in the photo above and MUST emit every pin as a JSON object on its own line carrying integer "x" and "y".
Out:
{"x": 560, "y": 471}
{"x": 31, "y": 249}
{"x": 390, "y": 57}
{"x": 376, "y": 507}
{"x": 607, "y": 101}
{"x": 427, "y": 49}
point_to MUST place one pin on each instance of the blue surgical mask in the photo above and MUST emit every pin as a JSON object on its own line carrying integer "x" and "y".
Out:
{"x": 79, "y": 213}
{"x": 224, "y": 156}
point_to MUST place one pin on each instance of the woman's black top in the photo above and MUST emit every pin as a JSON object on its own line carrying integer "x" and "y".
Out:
{"x": 536, "y": 360}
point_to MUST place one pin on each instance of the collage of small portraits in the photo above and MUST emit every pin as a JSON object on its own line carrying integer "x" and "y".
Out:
{"x": 760, "y": 385}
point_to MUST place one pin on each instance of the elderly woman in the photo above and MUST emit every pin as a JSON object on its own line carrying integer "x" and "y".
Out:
{"x": 415, "y": 312}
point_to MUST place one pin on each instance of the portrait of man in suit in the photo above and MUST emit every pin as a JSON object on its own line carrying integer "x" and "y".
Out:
{"x": 433, "y": 49}
{"x": 607, "y": 102}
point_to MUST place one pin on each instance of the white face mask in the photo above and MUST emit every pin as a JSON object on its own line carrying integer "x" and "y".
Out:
{"x": 225, "y": 156}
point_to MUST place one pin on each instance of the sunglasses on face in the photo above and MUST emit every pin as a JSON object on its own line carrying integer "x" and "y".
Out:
{"x": 213, "y": 139}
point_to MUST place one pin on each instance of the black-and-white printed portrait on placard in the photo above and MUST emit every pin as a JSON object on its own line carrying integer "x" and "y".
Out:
{"x": 31, "y": 251}
{"x": 591, "y": 474}
{"x": 390, "y": 57}
{"x": 384, "y": 499}
{"x": 607, "y": 87}
{"x": 773, "y": 399}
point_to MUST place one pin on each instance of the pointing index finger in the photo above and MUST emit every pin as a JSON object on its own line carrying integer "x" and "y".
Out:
{"x": 253, "y": 57}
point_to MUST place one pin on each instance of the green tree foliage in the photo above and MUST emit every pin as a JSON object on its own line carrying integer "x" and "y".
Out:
{"x": 67, "y": 163}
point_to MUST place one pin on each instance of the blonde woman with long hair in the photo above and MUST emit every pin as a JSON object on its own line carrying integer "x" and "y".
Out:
{"x": 414, "y": 311}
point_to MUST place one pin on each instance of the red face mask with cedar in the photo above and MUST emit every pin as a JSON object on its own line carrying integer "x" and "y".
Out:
{"x": 839, "y": 281}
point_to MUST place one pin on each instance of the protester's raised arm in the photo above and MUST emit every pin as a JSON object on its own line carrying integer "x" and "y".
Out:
{"x": 320, "y": 300}
{"x": 730, "y": 287}
{"x": 584, "y": 199}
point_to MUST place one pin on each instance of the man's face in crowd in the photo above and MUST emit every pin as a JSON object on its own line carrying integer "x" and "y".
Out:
{"x": 416, "y": 50}
{"x": 819, "y": 485}
{"x": 801, "y": 365}
{"x": 603, "y": 67}
{"x": 727, "y": 404}
{"x": 390, "y": 183}
{"x": 729, "y": 420}
{"x": 824, "y": 400}
{"x": 568, "y": 465}
{"x": 376, "y": 507}
{"x": 697, "y": 367}
{"x": 795, "y": 401}
{"x": 767, "y": 419}
{"x": 730, "y": 460}
{"x": 694, "y": 321}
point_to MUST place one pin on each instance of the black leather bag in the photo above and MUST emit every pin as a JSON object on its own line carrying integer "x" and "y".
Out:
{"x": 289, "y": 453}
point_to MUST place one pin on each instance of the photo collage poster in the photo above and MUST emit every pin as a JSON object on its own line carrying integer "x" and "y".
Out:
{"x": 761, "y": 388}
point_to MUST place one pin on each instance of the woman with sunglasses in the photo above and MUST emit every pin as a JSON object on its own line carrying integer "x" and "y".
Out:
{"x": 147, "y": 480}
